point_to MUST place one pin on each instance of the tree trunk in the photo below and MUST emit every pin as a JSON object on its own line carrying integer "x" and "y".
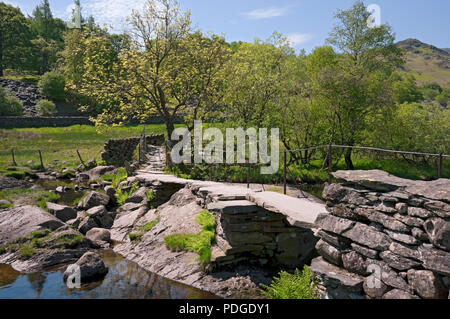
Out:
{"x": 170, "y": 127}
{"x": 348, "y": 159}
{"x": 1, "y": 57}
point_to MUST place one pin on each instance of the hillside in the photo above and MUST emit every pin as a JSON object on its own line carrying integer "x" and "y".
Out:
{"x": 428, "y": 63}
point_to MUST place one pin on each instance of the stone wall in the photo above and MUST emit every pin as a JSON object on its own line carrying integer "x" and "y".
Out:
{"x": 386, "y": 237}
{"x": 118, "y": 151}
{"x": 8, "y": 122}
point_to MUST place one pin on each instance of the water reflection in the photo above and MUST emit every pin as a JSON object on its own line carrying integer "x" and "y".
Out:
{"x": 125, "y": 280}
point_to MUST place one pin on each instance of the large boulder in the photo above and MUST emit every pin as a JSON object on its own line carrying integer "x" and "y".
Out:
{"x": 96, "y": 217}
{"x": 92, "y": 268}
{"x": 63, "y": 213}
{"x": 100, "y": 236}
{"x": 399, "y": 294}
{"x": 20, "y": 221}
{"x": 138, "y": 196}
{"x": 438, "y": 231}
{"x": 97, "y": 172}
{"x": 427, "y": 284}
{"x": 93, "y": 199}
{"x": 338, "y": 283}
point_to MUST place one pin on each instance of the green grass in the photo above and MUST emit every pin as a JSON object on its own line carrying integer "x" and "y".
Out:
{"x": 27, "y": 252}
{"x": 42, "y": 200}
{"x": 135, "y": 237}
{"x": 149, "y": 226}
{"x": 291, "y": 286}
{"x": 4, "y": 206}
{"x": 62, "y": 143}
{"x": 311, "y": 173}
{"x": 26, "y": 196}
{"x": 33, "y": 243}
{"x": 17, "y": 172}
{"x": 198, "y": 243}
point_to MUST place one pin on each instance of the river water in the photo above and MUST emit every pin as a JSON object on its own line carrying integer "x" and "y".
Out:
{"x": 125, "y": 280}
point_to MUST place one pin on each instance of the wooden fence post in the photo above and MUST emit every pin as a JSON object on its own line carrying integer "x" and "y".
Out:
{"x": 441, "y": 162}
{"x": 42, "y": 163}
{"x": 330, "y": 162}
{"x": 248, "y": 173}
{"x": 285, "y": 173}
{"x": 81, "y": 160}
{"x": 13, "y": 158}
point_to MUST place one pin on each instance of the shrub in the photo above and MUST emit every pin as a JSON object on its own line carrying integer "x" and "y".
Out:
{"x": 52, "y": 86}
{"x": 45, "y": 107}
{"x": 291, "y": 286}
{"x": 9, "y": 105}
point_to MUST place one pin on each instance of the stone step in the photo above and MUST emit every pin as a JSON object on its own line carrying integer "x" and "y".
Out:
{"x": 233, "y": 207}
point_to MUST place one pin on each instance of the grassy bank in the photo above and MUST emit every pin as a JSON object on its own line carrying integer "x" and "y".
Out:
{"x": 61, "y": 143}
{"x": 311, "y": 173}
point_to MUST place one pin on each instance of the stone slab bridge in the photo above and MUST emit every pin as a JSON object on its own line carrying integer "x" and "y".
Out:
{"x": 252, "y": 225}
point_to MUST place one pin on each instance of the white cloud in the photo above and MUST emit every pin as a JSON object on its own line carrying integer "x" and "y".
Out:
{"x": 296, "y": 39}
{"x": 111, "y": 12}
{"x": 25, "y": 8}
{"x": 266, "y": 13}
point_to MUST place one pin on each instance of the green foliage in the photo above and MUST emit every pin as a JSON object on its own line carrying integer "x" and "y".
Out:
{"x": 42, "y": 200}
{"x": 199, "y": 243}
{"x": 53, "y": 86}
{"x": 122, "y": 196}
{"x": 17, "y": 172}
{"x": 46, "y": 108}
{"x": 135, "y": 237}
{"x": 27, "y": 252}
{"x": 4, "y": 206}
{"x": 149, "y": 226}
{"x": 9, "y": 105}
{"x": 292, "y": 286}
{"x": 15, "y": 36}
{"x": 115, "y": 179}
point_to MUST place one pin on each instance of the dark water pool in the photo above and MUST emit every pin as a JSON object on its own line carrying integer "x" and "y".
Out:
{"x": 125, "y": 280}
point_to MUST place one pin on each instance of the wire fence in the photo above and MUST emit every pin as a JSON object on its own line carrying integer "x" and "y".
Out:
{"x": 330, "y": 149}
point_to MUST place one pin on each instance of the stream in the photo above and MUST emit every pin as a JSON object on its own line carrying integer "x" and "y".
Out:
{"x": 125, "y": 280}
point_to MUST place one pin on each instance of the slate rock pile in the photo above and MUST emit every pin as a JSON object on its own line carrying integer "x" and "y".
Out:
{"x": 385, "y": 237}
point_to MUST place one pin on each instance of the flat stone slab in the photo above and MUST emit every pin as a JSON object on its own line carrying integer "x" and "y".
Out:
{"x": 383, "y": 181}
{"x": 299, "y": 212}
{"x": 233, "y": 199}
{"x": 321, "y": 267}
{"x": 233, "y": 207}
{"x": 21, "y": 221}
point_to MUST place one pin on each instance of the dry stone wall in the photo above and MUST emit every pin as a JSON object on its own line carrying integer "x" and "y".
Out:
{"x": 118, "y": 151}
{"x": 385, "y": 237}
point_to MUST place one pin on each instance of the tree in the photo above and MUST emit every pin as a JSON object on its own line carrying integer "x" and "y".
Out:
{"x": 368, "y": 56}
{"x": 48, "y": 41}
{"x": 254, "y": 80}
{"x": 167, "y": 70}
{"x": 15, "y": 38}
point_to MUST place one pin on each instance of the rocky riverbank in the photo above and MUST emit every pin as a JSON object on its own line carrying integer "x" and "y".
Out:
{"x": 256, "y": 232}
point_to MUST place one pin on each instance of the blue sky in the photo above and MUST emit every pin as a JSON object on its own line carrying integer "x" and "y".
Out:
{"x": 306, "y": 22}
